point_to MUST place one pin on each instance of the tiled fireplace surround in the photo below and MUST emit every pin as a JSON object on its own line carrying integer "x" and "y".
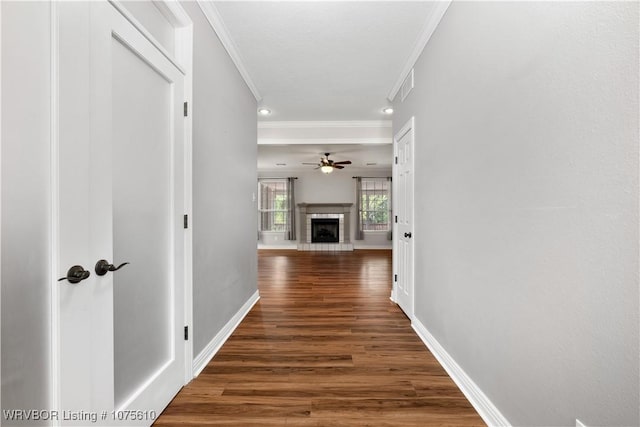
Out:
{"x": 340, "y": 211}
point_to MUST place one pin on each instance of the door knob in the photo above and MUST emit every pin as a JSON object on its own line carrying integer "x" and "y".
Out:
{"x": 103, "y": 266}
{"x": 75, "y": 274}
{"x": 407, "y": 234}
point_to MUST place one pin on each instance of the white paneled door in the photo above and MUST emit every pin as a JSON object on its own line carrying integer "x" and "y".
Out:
{"x": 120, "y": 199}
{"x": 403, "y": 235}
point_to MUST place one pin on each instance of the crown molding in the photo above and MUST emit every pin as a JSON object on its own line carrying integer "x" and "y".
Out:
{"x": 439, "y": 9}
{"x": 316, "y": 124}
{"x": 316, "y": 141}
{"x": 215, "y": 20}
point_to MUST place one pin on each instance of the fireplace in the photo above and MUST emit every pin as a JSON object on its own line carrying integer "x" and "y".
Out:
{"x": 325, "y": 230}
{"x": 324, "y": 226}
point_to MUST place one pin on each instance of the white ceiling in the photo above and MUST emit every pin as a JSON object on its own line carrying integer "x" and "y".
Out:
{"x": 324, "y": 61}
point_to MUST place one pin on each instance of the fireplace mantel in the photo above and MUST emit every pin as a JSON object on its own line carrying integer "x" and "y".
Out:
{"x": 341, "y": 211}
{"x": 325, "y": 207}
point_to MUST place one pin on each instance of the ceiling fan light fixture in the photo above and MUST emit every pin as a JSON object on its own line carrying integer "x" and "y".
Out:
{"x": 326, "y": 169}
{"x": 264, "y": 111}
{"x": 387, "y": 110}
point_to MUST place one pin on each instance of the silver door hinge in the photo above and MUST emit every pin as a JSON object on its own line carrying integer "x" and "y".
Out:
{"x": 396, "y": 160}
{"x": 186, "y": 333}
{"x": 395, "y": 277}
{"x": 186, "y": 221}
{"x": 186, "y": 109}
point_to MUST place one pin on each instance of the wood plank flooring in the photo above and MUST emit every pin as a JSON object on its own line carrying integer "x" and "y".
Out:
{"x": 323, "y": 347}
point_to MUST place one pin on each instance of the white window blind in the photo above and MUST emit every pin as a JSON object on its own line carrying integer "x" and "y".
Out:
{"x": 273, "y": 206}
{"x": 375, "y": 204}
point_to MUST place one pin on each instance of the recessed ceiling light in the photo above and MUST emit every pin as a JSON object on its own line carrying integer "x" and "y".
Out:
{"x": 264, "y": 111}
{"x": 371, "y": 164}
{"x": 387, "y": 110}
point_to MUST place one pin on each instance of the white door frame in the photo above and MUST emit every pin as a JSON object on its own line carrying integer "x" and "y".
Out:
{"x": 0, "y": 197}
{"x": 183, "y": 42}
{"x": 183, "y": 60}
{"x": 409, "y": 126}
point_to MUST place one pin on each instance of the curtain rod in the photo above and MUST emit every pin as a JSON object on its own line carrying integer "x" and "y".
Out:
{"x": 279, "y": 177}
{"x": 354, "y": 177}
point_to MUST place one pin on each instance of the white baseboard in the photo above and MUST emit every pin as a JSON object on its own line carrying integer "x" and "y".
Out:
{"x": 283, "y": 246}
{"x": 487, "y": 410}
{"x": 376, "y": 247}
{"x": 203, "y": 358}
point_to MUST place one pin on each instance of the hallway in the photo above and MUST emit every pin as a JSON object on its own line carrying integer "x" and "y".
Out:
{"x": 324, "y": 346}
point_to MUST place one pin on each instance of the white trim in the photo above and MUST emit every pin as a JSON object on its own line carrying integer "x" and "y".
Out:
{"x": 405, "y": 129}
{"x": 325, "y": 124}
{"x": 288, "y": 246}
{"x": 54, "y": 362}
{"x": 486, "y": 409}
{"x": 201, "y": 361}
{"x": 409, "y": 126}
{"x": 439, "y": 9}
{"x": 394, "y": 228}
{"x": 173, "y": 12}
{"x": 314, "y": 141}
{"x": 183, "y": 41}
{"x": 0, "y": 198}
{"x": 373, "y": 247}
{"x": 217, "y": 24}
{"x": 407, "y": 86}
{"x": 129, "y": 17}
{"x": 126, "y": 405}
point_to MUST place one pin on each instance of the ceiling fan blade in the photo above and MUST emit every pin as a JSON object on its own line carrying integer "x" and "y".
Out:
{"x": 338, "y": 166}
{"x": 346, "y": 162}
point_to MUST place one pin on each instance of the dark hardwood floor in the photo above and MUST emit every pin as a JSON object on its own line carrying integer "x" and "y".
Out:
{"x": 323, "y": 347}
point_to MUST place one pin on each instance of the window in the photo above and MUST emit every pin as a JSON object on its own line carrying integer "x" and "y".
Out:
{"x": 273, "y": 207}
{"x": 375, "y": 204}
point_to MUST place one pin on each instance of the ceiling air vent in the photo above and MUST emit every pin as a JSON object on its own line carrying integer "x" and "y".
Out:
{"x": 407, "y": 85}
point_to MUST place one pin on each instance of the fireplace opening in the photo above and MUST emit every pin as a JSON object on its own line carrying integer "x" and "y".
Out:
{"x": 325, "y": 230}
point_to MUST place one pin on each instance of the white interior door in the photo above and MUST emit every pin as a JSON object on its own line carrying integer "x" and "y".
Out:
{"x": 403, "y": 235}
{"x": 120, "y": 199}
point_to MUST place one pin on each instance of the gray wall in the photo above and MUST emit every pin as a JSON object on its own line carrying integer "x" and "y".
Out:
{"x": 224, "y": 182}
{"x": 312, "y": 186}
{"x": 26, "y": 190}
{"x": 527, "y": 186}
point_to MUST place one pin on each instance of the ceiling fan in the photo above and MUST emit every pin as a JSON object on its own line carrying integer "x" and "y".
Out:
{"x": 327, "y": 166}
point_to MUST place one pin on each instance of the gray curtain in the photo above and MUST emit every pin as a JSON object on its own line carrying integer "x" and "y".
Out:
{"x": 291, "y": 232}
{"x": 359, "y": 234}
{"x": 391, "y": 219}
